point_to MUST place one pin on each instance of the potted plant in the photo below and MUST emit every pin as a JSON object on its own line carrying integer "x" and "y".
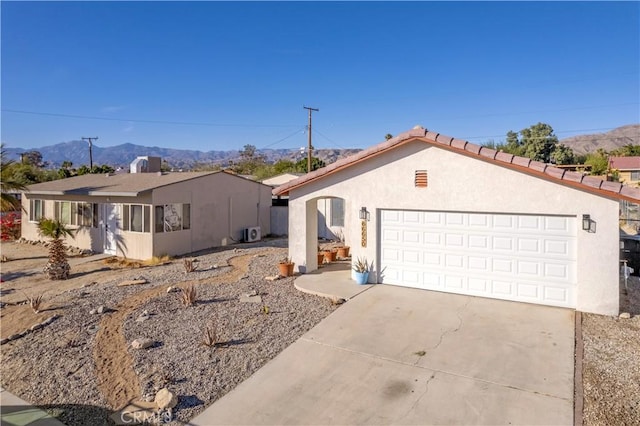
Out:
{"x": 330, "y": 255}
{"x": 320, "y": 256}
{"x": 361, "y": 269}
{"x": 343, "y": 252}
{"x": 286, "y": 267}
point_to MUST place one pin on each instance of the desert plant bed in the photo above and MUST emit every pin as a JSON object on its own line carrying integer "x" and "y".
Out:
{"x": 82, "y": 366}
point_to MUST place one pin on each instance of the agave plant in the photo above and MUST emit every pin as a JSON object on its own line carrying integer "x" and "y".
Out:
{"x": 57, "y": 268}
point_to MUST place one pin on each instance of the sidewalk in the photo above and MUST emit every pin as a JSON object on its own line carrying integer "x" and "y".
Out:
{"x": 17, "y": 412}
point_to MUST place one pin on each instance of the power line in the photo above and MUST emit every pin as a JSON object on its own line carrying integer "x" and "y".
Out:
{"x": 285, "y": 138}
{"x": 184, "y": 123}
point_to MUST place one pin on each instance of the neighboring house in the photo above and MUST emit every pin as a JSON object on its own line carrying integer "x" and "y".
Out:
{"x": 140, "y": 215}
{"x": 330, "y": 211}
{"x": 448, "y": 215}
{"x": 628, "y": 169}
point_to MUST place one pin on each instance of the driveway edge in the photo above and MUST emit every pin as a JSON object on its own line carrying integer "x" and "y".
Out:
{"x": 578, "y": 390}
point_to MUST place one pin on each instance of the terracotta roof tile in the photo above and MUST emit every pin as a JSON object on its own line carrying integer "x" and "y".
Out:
{"x": 573, "y": 176}
{"x": 445, "y": 140}
{"x": 554, "y": 172}
{"x": 574, "y": 179}
{"x": 458, "y": 143}
{"x": 592, "y": 181}
{"x": 431, "y": 135}
{"x": 504, "y": 157}
{"x": 630, "y": 191}
{"x": 520, "y": 161}
{"x": 488, "y": 152}
{"x": 537, "y": 165}
{"x": 611, "y": 186}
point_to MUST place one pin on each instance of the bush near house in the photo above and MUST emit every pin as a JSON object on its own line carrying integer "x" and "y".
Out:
{"x": 10, "y": 226}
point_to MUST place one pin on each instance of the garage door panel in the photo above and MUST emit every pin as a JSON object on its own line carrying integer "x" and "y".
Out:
{"x": 505, "y": 256}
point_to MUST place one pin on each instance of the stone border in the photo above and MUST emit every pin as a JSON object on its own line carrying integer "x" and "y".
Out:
{"x": 578, "y": 389}
{"x": 31, "y": 329}
{"x": 71, "y": 250}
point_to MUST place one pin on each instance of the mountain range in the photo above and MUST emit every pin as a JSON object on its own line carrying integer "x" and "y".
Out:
{"x": 121, "y": 155}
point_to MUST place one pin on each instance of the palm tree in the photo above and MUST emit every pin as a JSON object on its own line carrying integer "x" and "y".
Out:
{"x": 57, "y": 268}
{"x": 7, "y": 185}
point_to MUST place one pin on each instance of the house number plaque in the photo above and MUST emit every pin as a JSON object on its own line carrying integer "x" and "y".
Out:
{"x": 363, "y": 240}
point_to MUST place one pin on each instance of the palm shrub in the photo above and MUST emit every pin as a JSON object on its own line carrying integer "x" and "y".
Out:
{"x": 8, "y": 185}
{"x": 57, "y": 267}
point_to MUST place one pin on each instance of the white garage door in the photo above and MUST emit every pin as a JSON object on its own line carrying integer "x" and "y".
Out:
{"x": 524, "y": 258}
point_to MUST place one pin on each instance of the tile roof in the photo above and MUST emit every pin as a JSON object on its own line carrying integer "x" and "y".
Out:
{"x": 122, "y": 184}
{"x": 573, "y": 179}
{"x": 624, "y": 163}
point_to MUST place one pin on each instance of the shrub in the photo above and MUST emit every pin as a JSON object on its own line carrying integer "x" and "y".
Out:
{"x": 188, "y": 295}
{"x": 10, "y": 225}
{"x": 209, "y": 335}
{"x": 190, "y": 265}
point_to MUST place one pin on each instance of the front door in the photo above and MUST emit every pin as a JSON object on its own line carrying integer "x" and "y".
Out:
{"x": 110, "y": 228}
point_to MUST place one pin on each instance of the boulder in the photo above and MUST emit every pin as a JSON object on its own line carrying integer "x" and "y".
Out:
{"x": 165, "y": 399}
{"x": 142, "y": 343}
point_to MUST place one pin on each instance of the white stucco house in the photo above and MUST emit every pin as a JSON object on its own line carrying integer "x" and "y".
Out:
{"x": 144, "y": 214}
{"x": 439, "y": 213}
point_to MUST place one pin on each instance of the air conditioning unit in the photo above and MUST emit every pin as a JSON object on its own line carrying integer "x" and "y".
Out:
{"x": 252, "y": 234}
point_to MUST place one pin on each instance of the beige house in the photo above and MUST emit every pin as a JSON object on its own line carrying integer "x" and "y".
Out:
{"x": 144, "y": 214}
{"x": 628, "y": 169}
{"x": 438, "y": 213}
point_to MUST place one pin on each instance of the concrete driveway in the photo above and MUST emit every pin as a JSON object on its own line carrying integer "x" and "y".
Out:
{"x": 397, "y": 355}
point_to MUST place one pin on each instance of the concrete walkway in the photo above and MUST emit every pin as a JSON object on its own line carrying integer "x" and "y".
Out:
{"x": 397, "y": 355}
{"x": 17, "y": 412}
{"x": 331, "y": 280}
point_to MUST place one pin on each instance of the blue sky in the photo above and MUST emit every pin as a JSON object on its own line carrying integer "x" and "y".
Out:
{"x": 218, "y": 75}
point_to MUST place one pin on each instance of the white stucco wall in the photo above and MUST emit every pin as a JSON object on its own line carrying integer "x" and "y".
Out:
{"x": 460, "y": 183}
{"x": 222, "y": 206}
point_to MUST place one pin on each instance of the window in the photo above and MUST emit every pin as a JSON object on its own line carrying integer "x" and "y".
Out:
{"x": 635, "y": 175}
{"x": 76, "y": 213}
{"x": 172, "y": 217}
{"x": 337, "y": 212}
{"x": 36, "y": 210}
{"x": 136, "y": 218}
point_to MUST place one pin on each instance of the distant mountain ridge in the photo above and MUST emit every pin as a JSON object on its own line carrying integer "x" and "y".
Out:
{"x": 613, "y": 139}
{"x": 122, "y": 155}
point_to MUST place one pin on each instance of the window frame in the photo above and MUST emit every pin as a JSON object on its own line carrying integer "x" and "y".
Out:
{"x": 160, "y": 226}
{"x": 32, "y": 209}
{"x": 337, "y": 212}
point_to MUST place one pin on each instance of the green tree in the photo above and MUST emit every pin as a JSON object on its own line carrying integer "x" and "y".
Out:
{"x": 250, "y": 160}
{"x": 102, "y": 169}
{"x": 388, "y": 136}
{"x": 626, "y": 151}
{"x": 599, "y": 162}
{"x": 8, "y": 184}
{"x": 33, "y": 158}
{"x": 513, "y": 144}
{"x": 316, "y": 163}
{"x": 57, "y": 267}
{"x": 539, "y": 142}
{"x": 562, "y": 154}
{"x": 284, "y": 166}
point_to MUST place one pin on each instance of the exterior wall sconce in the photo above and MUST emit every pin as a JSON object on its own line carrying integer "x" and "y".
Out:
{"x": 588, "y": 224}
{"x": 364, "y": 214}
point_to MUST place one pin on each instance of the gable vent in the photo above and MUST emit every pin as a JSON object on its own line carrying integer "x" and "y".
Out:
{"x": 421, "y": 180}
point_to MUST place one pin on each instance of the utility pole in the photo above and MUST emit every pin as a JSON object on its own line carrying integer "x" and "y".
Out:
{"x": 310, "y": 147}
{"x": 90, "y": 140}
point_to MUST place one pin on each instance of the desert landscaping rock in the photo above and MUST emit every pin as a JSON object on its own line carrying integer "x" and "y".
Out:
{"x": 250, "y": 299}
{"x": 272, "y": 278}
{"x": 142, "y": 343}
{"x": 625, "y": 315}
{"x": 165, "y": 399}
{"x": 137, "y": 281}
{"x": 101, "y": 310}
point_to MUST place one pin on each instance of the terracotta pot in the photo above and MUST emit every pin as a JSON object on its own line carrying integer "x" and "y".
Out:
{"x": 286, "y": 269}
{"x": 343, "y": 252}
{"x": 320, "y": 258}
{"x": 330, "y": 256}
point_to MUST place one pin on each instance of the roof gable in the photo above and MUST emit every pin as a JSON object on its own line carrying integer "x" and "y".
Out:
{"x": 525, "y": 165}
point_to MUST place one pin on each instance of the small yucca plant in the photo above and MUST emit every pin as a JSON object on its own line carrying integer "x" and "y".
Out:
{"x": 188, "y": 295}
{"x": 35, "y": 302}
{"x": 190, "y": 265}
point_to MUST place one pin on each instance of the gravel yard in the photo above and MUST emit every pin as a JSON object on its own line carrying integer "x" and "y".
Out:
{"x": 611, "y": 363}
{"x": 61, "y": 368}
